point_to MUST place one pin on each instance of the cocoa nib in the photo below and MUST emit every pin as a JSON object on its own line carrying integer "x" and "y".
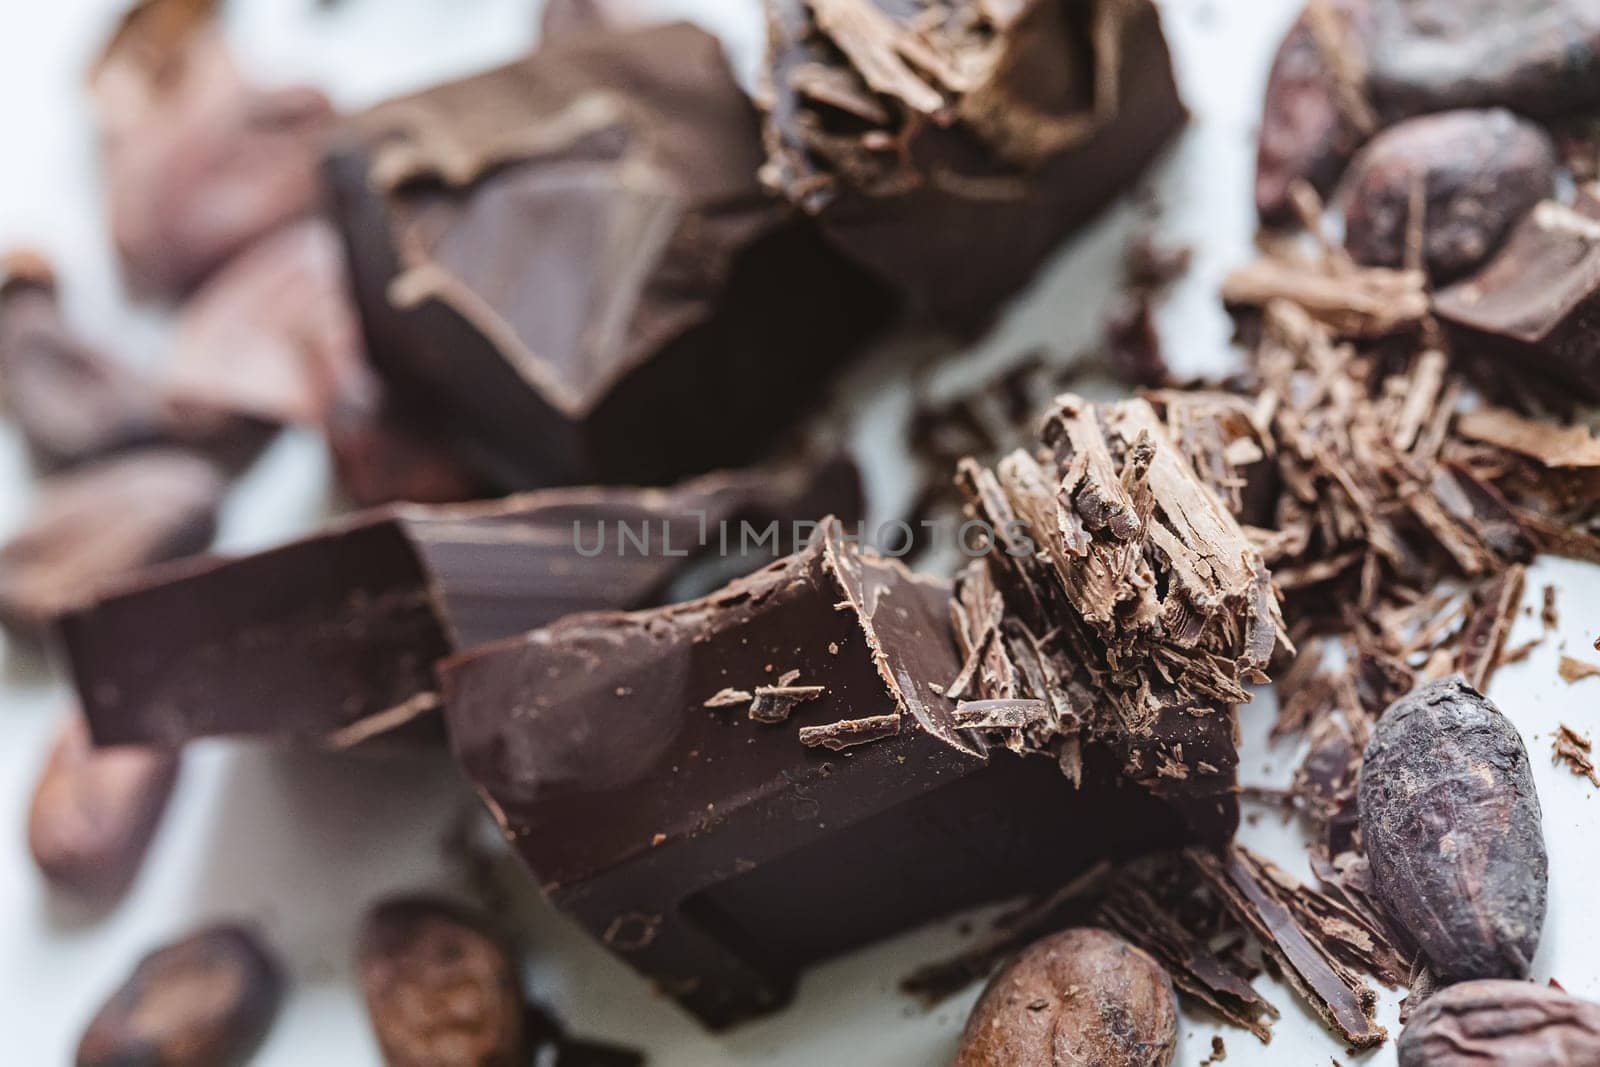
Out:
{"x": 1080, "y": 996}
{"x": 1316, "y": 112}
{"x": 1446, "y": 188}
{"x": 441, "y": 987}
{"x": 206, "y": 1001}
{"x": 94, "y": 811}
{"x": 1451, "y": 825}
{"x": 1475, "y": 1024}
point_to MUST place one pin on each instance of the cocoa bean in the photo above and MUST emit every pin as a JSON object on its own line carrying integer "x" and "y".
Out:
{"x": 1451, "y": 825}
{"x": 442, "y": 989}
{"x": 1479, "y": 173}
{"x": 94, "y": 811}
{"x": 205, "y": 1001}
{"x": 1495, "y": 1023}
{"x": 1078, "y": 997}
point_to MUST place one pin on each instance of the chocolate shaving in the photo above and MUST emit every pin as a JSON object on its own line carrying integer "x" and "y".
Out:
{"x": 846, "y": 733}
{"x": 1000, "y": 714}
{"x": 1576, "y": 670}
{"x": 729, "y": 698}
{"x": 1573, "y": 748}
{"x": 772, "y": 704}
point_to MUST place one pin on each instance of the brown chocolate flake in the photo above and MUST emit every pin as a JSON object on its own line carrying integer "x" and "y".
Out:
{"x": 729, "y": 698}
{"x": 845, "y": 733}
{"x": 1576, "y": 670}
{"x": 1000, "y": 714}
{"x": 773, "y": 704}
{"x": 1219, "y": 1052}
{"x": 1574, "y": 748}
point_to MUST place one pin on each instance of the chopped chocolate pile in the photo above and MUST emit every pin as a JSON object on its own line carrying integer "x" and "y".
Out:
{"x": 571, "y": 255}
{"x": 951, "y": 146}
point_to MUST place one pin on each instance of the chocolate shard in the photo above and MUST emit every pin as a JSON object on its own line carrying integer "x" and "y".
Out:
{"x": 1533, "y": 302}
{"x": 205, "y": 1001}
{"x": 952, "y": 148}
{"x": 1533, "y": 56}
{"x": 442, "y": 986}
{"x": 1451, "y": 824}
{"x": 71, "y": 402}
{"x": 1258, "y": 896}
{"x": 718, "y": 856}
{"x": 1462, "y": 179}
{"x": 571, "y": 254}
{"x": 94, "y": 811}
{"x": 94, "y": 526}
{"x": 332, "y": 639}
{"x": 199, "y": 163}
{"x": 773, "y": 704}
{"x": 1316, "y": 112}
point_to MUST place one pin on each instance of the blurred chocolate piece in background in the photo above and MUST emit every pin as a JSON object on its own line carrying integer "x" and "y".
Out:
{"x": 102, "y": 521}
{"x": 199, "y": 163}
{"x": 569, "y": 18}
{"x": 952, "y": 148}
{"x": 570, "y": 260}
{"x": 332, "y": 640}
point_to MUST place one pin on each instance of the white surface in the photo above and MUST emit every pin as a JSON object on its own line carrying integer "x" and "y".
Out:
{"x": 302, "y": 844}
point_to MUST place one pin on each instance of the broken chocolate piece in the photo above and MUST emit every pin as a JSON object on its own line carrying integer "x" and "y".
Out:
{"x": 952, "y": 148}
{"x": 199, "y": 164}
{"x": 71, "y": 402}
{"x": 1534, "y": 56}
{"x": 1472, "y": 175}
{"x": 94, "y": 811}
{"x": 1534, "y": 301}
{"x": 1316, "y": 113}
{"x": 441, "y": 987}
{"x": 845, "y": 733}
{"x": 1573, "y": 670}
{"x": 332, "y": 639}
{"x": 773, "y": 704}
{"x": 1574, "y": 749}
{"x": 654, "y": 821}
{"x": 205, "y": 1001}
{"x": 571, "y": 254}
{"x": 1080, "y": 996}
{"x": 1450, "y": 822}
{"x": 1494, "y": 1021}
{"x": 98, "y": 524}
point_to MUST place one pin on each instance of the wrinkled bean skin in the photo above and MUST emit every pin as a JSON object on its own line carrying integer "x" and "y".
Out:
{"x": 1502, "y": 1024}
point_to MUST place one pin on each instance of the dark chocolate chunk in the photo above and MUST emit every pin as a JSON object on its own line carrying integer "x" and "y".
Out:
{"x": 71, "y": 402}
{"x": 1533, "y": 56}
{"x": 952, "y": 148}
{"x": 205, "y": 1001}
{"x": 1078, "y": 997}
{"x": 1451, "y": 825}
{"x": 718, "y": 856}
{"x": 441, "y": 987}
{"x": 199, "y": 164}
{"x": 1536, "y": 301}
{"x": 1463, "y": 178}
{"x": 99, "y": 523}
{"x": 571, "y": 255}
{"x": 94, "y": 811}
{"x": 1501, "y": 1023}
{"x": 332, "y": 639}
{"x": 1316, "y": 112}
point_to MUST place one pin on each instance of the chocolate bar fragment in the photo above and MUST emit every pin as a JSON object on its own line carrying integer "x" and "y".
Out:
{"x": 721, "y": 855}
{"x": 95, "y": 525}
{"x": 952, "y": 147}
{"x": 1536, "y": 301}
{"x": 571, "y": 255}
{"x": 332, "y": 640}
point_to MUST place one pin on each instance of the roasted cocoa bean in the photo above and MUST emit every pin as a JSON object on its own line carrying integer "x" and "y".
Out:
{"x": 1478, "y": 173}
{"x": 1451, "y": 825}
{"x": 1501, "y": 1024}
{"x": 1078, "y": 997}
{"x": 1533, "y": 56}
{"x": 442, "y": 989}
{"x": 205, "y": 1001}
{"x": 1312, "y": 123}
{"x": 94, "y": 811}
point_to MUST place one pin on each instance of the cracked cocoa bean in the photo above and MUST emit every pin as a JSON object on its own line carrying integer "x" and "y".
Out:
{"x": 442, "y": 989}
{"x": 1501, "y": 1024}
{"x": 1451, "y": 825}
{"x": 206, "y": 1001}
{"x": 1478, "y": 173}
{"x": 1078, "y": 997}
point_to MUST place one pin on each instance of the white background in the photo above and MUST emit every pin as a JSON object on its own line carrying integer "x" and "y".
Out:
{"x": 301, "y": 843}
